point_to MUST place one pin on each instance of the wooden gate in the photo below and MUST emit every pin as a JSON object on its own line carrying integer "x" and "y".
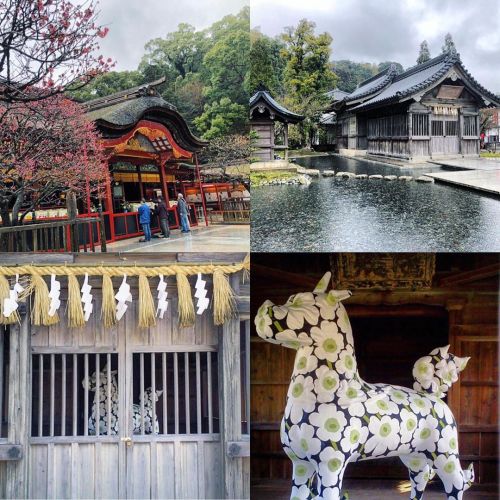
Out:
{"x": 125, "y": 412}
{"x": 445, "y": 135}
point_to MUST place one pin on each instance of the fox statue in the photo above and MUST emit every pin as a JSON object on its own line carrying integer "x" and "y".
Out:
{"x": 333, "y": 417}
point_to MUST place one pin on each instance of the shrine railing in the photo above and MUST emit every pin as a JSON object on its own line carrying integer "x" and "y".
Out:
{"x": 233, "y": 212}
{"x": 81, "y": 234}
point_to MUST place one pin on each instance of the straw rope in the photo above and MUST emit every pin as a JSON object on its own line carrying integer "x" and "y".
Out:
{"x": 118, "y": 271}
{"x": 224, "y": 300}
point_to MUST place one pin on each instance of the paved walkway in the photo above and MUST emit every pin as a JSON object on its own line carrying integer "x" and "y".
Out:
{"x": 219, "y": 238}
{"x": 365, "y": 489}
{"x": 482, "y": 174}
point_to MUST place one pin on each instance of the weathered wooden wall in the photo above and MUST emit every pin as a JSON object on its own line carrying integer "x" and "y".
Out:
{"x": 154, "y": 466}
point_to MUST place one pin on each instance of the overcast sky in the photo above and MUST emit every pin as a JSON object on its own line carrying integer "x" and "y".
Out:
{"x": 133, "y": 23}
{"x": 382, "y": 30}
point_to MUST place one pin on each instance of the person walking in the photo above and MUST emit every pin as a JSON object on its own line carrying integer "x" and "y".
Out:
{"x": 145, "y": 220}
{"x": 161, "y": 211}
{"x": 182, "y": 210}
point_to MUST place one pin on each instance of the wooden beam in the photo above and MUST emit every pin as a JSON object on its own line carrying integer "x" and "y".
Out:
{"x": 11, "y": 452}
{"x": 466, "y": 277}
{"x": 237, "y": 449}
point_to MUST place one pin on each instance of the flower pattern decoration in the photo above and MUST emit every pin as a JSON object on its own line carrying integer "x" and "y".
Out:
{"x": 333, "y": 417}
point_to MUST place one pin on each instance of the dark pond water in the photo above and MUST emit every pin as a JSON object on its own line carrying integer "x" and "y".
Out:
{"x": 334, "y": 214}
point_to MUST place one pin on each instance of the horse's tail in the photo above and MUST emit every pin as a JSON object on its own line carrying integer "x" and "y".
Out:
{"x": 436, "y": 372}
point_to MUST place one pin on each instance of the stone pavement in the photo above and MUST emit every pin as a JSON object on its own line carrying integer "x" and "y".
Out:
{"x": 216, "y": 238}
{"x": 366, "y": 489}
{"x": 482, "y": 174}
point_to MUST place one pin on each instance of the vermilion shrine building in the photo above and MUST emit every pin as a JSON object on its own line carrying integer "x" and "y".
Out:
{"x": 152, "y": 153}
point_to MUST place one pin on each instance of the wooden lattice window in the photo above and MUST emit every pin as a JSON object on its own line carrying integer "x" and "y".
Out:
{"x": 420, "y": 125}
{"x": 470, "y": 126}
{"x": 451, "y": 127}
{"x": 245, "y": 375}
{"x": 78, "y": 394}
{"x": 186, "y": 387}
{"x": 72, "y": 393}
{"x": 437, "y": 128}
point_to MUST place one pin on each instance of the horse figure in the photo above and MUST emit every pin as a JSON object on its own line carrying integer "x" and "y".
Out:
{"x": 333, "y": 417}
{"x": 100, "y": 406}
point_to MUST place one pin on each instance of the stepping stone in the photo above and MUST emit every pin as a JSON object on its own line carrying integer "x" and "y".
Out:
{"x": 390, "y": 177}
{"x": 345, "y": 175}
{"x": 362, "y": 176}
{"x": 424, "y": 178}
{"x": 405, "y": 178}
{"x": 376, "y": 176}
{"x": 328, "y": 173}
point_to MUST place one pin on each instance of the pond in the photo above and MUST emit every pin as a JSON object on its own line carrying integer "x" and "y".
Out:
{"x": 334, "y": 214}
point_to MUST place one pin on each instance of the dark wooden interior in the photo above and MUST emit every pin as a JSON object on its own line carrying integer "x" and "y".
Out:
{"x": 392, "y": 329}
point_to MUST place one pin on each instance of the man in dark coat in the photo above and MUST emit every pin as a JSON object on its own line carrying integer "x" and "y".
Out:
{"x": 183, "y": 210}
{"x": 161, "y": 211}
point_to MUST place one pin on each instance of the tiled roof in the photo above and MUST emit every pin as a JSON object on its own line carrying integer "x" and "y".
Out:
{"x": 278, "y": 109}
{"x": 373, "y": 84}
{"x": 121, "y": 111}
{"x": 336, "y": 94}
{"x": 419, "y": 78}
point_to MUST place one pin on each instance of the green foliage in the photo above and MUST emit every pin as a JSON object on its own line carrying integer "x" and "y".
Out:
{"x": 228, "y": 68}
{"x": 424, "y": 53}
{"x": 222, "y": 118}
{"x": 179, "y": 53}
{"x": 350, "y": 74}
{"x": 108, "y": 83}
{"x": 267, "y": 66}
{"x": 384, "y": 65}
{"x": 449, "y": 45}
{"x": 308, "y": 74}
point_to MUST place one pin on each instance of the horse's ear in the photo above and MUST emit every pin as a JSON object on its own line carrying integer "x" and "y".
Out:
{"x": 323, "y": 283}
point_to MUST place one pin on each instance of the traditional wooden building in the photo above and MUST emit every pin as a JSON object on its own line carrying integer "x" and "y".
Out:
{"x": 401, "y": 308}
{"x": 264, "y": 113}
{"x": 151, "y": 152}
{"x": 428, "y": 111}
{"x": 194, "y": 439}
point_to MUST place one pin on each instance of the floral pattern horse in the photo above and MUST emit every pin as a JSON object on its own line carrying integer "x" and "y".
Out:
{"x": 333, "y": 417}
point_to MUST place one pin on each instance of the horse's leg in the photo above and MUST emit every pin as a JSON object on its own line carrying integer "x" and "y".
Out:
{"x": 455, "y": 479}
{"x": 330, "y": 477}
{"x": 302, "y": 477}
{"x": 420, "y": 473}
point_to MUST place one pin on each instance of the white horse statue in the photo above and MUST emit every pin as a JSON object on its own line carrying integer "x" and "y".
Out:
{"x": 333, "y": 417}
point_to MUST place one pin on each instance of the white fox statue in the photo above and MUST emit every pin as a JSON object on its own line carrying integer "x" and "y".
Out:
{"x": 333, "y": 417}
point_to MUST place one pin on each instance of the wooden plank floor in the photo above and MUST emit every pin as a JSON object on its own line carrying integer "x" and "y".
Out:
{"x": 360, "y": 489}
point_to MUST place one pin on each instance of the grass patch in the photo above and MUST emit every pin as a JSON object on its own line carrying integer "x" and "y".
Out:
{"x": 487, "y": 154}
{"x": 259, "y": 178}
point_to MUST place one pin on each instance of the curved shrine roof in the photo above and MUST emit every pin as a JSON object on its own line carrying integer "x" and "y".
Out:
{"x": 118, "y": 113}
{"x": 263, "y": 98}
{"x": 388, "y": 86}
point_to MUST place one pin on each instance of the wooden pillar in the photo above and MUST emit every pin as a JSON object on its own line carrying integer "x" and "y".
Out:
{"x": 139, "y": 177}
{"x": 234, "y": 449}
{"x": 410, "y": 135}
{"x": 286, "y": 140}
{"x": 164, "y": 188}
{"x": 19, "y": 406}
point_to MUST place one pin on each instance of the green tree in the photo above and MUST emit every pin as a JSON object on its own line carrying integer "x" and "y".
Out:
{"x": 108, "y": 83}
{"x": 222, "y": 118}
{"x": 449, "y": 45}
{"x": 424, "y": 53}
{"x": 179, "y": 53}
{"x": 227, "y": 66}
{"x": 384, "y": 65}
{"x": 350, "y": 74}
{"x": 267, "y": 66}
{"x": 308, "y": 74}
